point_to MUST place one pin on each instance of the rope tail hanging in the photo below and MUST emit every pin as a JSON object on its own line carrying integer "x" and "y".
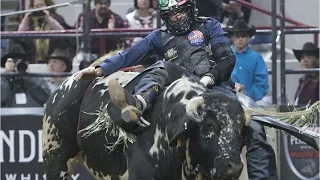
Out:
{"x": 104, "y": 123}
{"x": 300, "y": 117}
{"x": 301, "y": 122}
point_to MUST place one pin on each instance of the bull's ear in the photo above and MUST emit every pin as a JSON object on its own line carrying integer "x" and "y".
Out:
{"x": 180, "y": 135}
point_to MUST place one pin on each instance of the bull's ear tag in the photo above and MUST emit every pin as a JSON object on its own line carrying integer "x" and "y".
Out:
{"x": 180, "y": 142}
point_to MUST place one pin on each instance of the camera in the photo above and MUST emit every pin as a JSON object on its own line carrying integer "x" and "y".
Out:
{"x": 38, "y": 13}
{"x": 21, "y": 65}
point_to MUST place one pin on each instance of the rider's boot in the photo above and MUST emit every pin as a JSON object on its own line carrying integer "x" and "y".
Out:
{"x": 131, "y": 110}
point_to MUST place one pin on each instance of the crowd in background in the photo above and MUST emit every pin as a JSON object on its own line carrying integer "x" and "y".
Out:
{"x": 250, "y": 73}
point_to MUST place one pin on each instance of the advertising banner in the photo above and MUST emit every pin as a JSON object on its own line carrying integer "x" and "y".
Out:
{"x": 21, "y": 146}
{"x": 298, "y": 161}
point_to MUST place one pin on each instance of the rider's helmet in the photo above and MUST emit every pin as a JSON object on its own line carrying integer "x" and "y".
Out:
{"x": 170, "y": 9}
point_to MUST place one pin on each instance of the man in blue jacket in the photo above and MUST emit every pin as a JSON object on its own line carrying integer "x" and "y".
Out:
{"x": 250, "y": 72}
{"x": 251, "y": 78}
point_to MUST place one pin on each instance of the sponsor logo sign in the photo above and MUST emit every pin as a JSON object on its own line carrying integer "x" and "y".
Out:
{"x": 21, "y": 146}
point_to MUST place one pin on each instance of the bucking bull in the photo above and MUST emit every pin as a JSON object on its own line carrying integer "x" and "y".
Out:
{"x": 193, "y": 134}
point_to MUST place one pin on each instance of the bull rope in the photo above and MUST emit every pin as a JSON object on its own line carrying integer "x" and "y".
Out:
{"x": 98, "y": 61}
{"x": 104, "y": 123}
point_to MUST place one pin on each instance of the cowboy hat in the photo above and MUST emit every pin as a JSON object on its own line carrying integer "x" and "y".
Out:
{"x": 241, "y": 26}
{"x": 308, "y": 48}
{"x": 15, "y": 52}
{"x": 63, "y": 56}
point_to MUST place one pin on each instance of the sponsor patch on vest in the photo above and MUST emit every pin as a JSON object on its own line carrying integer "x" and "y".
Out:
{"x": 171, "y": 54}
{"x": 196, "y": 38}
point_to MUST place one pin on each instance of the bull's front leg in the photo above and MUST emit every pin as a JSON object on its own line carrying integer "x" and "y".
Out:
{"x": 58, "y": 153}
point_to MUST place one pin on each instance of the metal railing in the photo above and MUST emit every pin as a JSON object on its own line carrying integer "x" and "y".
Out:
{"x": 302, "y": 71}
{"x": 278, "y": 16}
{"x": 120, "y": 32}
{"x": 70, "y": 33}
{"x": 302, "y": 29}
{"x": 26, "y": 74}
{"x": 62, "y": 74}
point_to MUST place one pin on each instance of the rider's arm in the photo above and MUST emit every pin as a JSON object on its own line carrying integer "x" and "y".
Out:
{"x": 24, "y": 24}
{"x": 145, "y": 47}
{"x": 221, "y": 50}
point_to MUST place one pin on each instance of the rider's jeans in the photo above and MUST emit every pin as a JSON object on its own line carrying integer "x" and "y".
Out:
{"x": 261, "y": 161}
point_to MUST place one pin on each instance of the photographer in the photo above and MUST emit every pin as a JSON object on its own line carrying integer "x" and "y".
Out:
{"x": 43, "y": 20}
{"x": 21, "y": 91}
{"x": 234, "y": 11}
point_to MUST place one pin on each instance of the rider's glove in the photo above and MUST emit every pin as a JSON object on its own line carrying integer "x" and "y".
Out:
{"x": 207, "y": 80}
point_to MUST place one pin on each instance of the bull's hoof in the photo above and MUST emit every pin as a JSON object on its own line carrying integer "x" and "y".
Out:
{"x": 129, "y": 111}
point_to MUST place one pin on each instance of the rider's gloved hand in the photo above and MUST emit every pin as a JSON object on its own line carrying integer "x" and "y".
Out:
{"x": 89, "y": 73}
{"x": 207, "y": 80}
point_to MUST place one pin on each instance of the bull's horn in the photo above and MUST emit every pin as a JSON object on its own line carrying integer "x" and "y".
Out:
{"x": 247, "y": 114}
{"x": 192, "y": 107}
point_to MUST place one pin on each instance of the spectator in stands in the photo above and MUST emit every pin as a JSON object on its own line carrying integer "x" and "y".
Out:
{"x": 103, "y": 17}
{"x": 8, "y": 23}
{"x": 153, "y": 5}
{"x": 143, "y": 16}
{"x": 42, "y": 21}
{"x": 21, "y": 91}
{"x": 58, "y": 62}
{"x": 136, "y": 19}
{"x": 10, "y": 60}
{"x": 250, "y": 73}
{"x": 210, "y": 8}
{"x": 308, "y": 89}
{"x": 3, "y": 42}
{"x": 234, "y": 11}
{"x": 251, "y": 78}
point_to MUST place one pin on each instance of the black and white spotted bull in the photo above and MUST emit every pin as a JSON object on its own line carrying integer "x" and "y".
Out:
{"x": 194, "y": 133}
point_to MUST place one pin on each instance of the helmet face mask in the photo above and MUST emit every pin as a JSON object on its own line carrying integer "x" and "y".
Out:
{"x": 178, "y": 15}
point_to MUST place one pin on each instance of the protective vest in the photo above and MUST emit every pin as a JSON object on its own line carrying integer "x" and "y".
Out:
{"x": 189, "y": 51}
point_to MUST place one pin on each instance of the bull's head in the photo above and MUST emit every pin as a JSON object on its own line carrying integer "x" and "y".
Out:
{"x": 211, "y": 132}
